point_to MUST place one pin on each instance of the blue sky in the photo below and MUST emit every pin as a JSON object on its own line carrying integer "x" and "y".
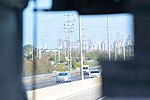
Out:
{"x": 50, "y": 26}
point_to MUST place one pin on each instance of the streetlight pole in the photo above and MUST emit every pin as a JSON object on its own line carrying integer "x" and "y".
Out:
{"x": 69, "y": 27}
{"x": 81, "y": 55}
{"x": 108, "y": 38}
{"x": 55, "y": 57}
{"x": 35, "y": 18}
{"x": 116, "y": 42}
{"x": 123, "y": 40}
{"x": 58, "y": 55}
{"x": 83, "y": 44}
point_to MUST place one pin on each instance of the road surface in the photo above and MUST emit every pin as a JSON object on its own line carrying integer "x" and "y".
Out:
{"x": 50, "y": 82}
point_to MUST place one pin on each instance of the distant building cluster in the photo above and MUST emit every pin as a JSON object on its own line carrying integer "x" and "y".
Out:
{"x": 92, "y": 45}
{"x": 89, "y": 45}
{"x": 116, "y": 46}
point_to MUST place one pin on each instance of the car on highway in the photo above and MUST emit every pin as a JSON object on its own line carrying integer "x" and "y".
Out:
{"x": 94, "y": 73}
{"x": 63, "y": 77}
{"x": 86, "y": 69}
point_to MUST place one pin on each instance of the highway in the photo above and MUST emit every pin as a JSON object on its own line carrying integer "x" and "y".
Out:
{"x": 88, "y": 89}
{"x": 50, "y": 82}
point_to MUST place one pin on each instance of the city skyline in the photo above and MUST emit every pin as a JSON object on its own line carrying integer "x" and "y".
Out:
{"x": 51, "y": 27}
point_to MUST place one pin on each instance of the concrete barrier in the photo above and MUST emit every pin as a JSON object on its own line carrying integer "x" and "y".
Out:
{"x": 63, "y": 90}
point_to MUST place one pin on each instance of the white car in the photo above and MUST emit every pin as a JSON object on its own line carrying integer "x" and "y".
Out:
{"x": 94, "y": 73}
{"x": 86, "y": 69}
{"x": 63, "y": 77}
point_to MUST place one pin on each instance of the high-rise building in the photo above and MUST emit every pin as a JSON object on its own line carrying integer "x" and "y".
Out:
{"x": 103, "y": 46}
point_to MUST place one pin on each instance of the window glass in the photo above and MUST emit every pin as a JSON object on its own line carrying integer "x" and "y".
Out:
{"x": 62, "y": 74}
{"x": 56, "y": 43}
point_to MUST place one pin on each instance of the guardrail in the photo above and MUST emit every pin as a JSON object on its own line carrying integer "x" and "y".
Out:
{"x": 63, "y": 90}
{"x": 43, "y": 77}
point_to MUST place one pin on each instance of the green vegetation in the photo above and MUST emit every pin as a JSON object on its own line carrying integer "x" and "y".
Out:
{"x": 44, "y": 65}
{"x": 48, "y": 62}
{"x": 74, "y": 63}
